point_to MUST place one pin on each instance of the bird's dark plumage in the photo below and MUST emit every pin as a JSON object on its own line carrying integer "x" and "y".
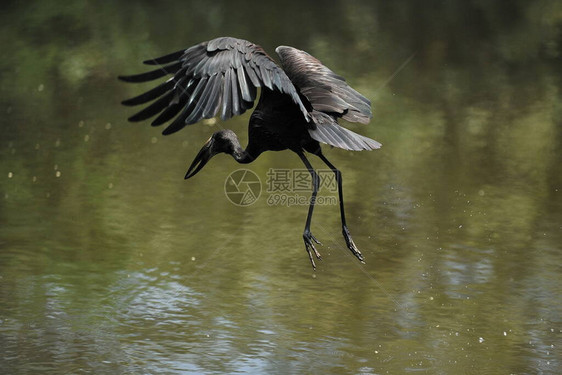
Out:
{"x": 324, "y": 89}
{"x": 299, "y": 105}
{"x": 220, "y": 75}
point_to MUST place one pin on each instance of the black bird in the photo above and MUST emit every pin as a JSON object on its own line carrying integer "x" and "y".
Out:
{"x": 299, "y": 105}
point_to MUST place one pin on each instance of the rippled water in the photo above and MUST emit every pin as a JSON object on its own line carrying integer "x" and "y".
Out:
{"x": 111, "y": 263}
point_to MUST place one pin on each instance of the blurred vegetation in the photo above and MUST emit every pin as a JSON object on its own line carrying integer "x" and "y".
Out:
{"x": 467, "y": 188}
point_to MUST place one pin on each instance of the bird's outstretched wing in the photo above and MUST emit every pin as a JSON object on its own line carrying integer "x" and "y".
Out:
{"x": 219, "y": 75}
{"x": 324, "y": 89}
{"x": 331, "y": 98}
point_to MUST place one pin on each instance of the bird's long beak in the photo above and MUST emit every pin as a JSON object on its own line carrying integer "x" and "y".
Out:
{"x": 204, "y": 155}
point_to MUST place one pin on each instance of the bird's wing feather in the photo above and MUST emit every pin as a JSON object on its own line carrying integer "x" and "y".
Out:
{"x": 325, "y": 90}
{"x": 220, "y": 75}
{"x": 327, "y": 130}
{"x": 331, "y": 98}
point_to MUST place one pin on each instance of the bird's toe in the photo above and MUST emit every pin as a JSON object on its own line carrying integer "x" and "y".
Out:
{"x": 351, "y": 245}
{"x": 309, "y": 241}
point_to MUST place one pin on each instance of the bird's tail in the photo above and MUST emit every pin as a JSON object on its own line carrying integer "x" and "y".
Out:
{"x": 327, "y": 130}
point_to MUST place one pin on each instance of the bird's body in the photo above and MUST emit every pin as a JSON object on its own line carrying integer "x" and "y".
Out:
{"x": 298, "y": 107}
{"x": 276, "y": 125}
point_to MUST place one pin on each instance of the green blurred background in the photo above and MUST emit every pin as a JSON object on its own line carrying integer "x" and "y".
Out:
{"x": 111, "y": 263}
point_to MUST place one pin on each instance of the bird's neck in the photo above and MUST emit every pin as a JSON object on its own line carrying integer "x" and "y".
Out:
{"x": 244, "y": 156}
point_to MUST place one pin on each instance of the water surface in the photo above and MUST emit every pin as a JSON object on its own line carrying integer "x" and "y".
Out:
{"x": 111, "y": 263}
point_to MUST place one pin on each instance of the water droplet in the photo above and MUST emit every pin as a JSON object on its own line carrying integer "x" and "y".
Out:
{"x": 110, "y": 186}
{"x": 481, "y": 192}
{"x": 57, "y": 174}
{"x": 86, "y": 138}
{"x": 480, "y": 340}
{"x": 10, "y": 175}
{"x": 153, "y": 140}
{"x": 81, "y": 124}
{"x": 41, "y": 87}
{"x": 193, "y": 259}
{"x": 108, "y": 125}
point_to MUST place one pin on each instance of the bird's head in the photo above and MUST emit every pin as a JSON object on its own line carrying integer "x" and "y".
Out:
{"x": 223, "y": 141}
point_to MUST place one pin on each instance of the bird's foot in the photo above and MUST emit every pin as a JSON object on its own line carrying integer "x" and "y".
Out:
{"x": 309, "y": 240}
{"x": 351, "y": 245}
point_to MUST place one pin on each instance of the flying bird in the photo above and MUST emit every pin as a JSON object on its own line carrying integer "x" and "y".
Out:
{"x": 299, "y": 106}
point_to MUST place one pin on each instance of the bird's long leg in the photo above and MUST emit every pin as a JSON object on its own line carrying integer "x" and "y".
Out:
{"x": 348, "y": 240}
{"x": 309, "y": 239}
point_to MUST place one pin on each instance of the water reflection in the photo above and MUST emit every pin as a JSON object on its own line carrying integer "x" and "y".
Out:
{"x": 110, "y": 262}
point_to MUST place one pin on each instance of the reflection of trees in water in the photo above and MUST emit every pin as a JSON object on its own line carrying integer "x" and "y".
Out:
{"x": 477, "y": 108}
{"x": 463, "y": 187}
{"x": 477, "y": 105}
